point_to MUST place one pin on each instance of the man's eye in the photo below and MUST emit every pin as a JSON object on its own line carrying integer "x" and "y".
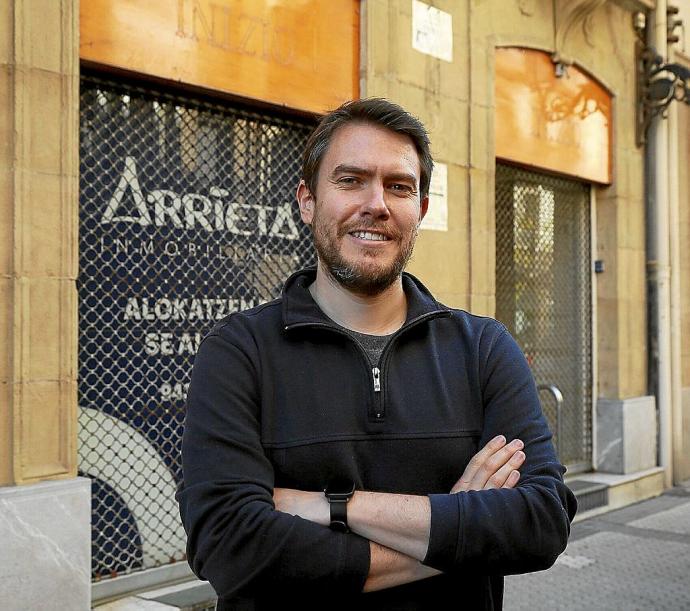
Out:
{"x": 402, "y": 188}
{"x": 348, "y": 180}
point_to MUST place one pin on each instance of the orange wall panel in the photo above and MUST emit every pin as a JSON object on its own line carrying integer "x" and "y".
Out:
{"x": 303, "y": 54}
{"x": 558, "y": 124}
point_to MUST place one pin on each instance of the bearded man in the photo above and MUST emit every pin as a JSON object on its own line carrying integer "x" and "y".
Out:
{"x": 355, "y": 441}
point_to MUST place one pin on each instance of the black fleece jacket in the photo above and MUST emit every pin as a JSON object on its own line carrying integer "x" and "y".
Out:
{"x": 282, "y": 397}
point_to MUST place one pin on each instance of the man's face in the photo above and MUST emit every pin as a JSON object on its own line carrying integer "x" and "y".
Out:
{"x": 366, "y": 210}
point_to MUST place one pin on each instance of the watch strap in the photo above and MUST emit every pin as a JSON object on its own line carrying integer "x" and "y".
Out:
{"x": 339, "y": 515}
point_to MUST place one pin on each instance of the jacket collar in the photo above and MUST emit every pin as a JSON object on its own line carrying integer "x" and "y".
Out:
{"x": 300, "y": 309}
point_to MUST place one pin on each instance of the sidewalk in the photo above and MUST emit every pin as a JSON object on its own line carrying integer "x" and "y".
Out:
{"x": 633, "y": 558}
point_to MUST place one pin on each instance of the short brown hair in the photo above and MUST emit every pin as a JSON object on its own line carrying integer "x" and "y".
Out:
{"x": 377, "y": 111}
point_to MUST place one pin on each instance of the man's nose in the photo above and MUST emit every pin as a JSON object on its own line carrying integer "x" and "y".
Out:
{"x": 375, "y": 202}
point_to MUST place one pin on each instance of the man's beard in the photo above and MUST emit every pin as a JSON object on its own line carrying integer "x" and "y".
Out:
{"x": 358, "y": 276}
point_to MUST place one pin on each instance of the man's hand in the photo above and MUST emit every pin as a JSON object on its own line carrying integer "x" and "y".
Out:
{"x": 308, "y": 505}
{"x": 494, "y": 466}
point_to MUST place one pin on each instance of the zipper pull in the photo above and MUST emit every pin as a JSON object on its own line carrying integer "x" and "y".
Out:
{"x": 377, "y": 379}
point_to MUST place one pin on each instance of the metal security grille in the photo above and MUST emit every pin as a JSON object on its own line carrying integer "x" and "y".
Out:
{"x": 543, "y": 294}
{"x": 186, "y": 215}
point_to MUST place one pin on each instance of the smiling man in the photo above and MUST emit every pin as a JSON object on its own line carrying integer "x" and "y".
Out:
{"x": 355, "y": 441}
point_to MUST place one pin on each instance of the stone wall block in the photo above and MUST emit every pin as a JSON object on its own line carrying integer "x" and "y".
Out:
{"x": 39, "y": 47}
{"x": 6, "y": 115}
{"x": 46, "y": 422}
{"x": 436, "y": 112}
{"x": 449, "y": 79}
{"x": 636, "y": 336}
{"x": 483, "y": 305}
{"x": 69, "y": 188}
{"x": 624, "y": 118}
{"x": 6, "y": 222}
{"x": 632, "y": 224}
{"x": 624, "y": 318}
{"x": 483, "y": 236}
{"x": 638, "y": 365}
{"x": 607, "y": 245}
{"x": 607, "y": 379}
{"x": 40, "y": 113}
{"x": 376, "y": 54}
{"x": 449, "y": 139}
{"x": 6, "y": 300}
{"x": 42, "y": 316}
{"x": 527, "y": 23}
{"x": 482, "y": 151}
{"x": 42, "y": 230}
{"x": 482, "y": 69}
{"x": 621, "y": 173}
{"x": 455, "y": 76}
{"x": 608, "y": 355}
{"x": 6, "y": 34}
{"x": 6, "y": 463}
{"x": 448, "y": 275}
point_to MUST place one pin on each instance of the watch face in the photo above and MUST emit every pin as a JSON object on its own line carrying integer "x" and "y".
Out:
{"x": 340, "y": 487}
{"x": 340, "y": 527}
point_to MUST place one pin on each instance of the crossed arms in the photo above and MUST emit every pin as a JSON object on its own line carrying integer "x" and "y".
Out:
{"x": 398, "y": 525}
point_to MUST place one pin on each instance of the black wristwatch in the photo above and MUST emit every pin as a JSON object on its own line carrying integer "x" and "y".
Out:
{"x": 338, "y": 492}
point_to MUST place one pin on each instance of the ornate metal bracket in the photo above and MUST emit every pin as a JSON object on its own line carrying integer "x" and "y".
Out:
{"x": 658, "y": 84}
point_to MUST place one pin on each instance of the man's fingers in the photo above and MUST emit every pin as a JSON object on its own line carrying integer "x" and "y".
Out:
{"x": 512, "y": 480}
{"x": 496, "y": 470}
{"x": 477, "y": 462}
{"x": 504, "y": 477}
{"x": 491, "y": 466}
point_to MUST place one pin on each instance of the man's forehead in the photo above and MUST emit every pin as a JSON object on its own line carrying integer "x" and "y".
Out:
{"x": 367, "y": 145}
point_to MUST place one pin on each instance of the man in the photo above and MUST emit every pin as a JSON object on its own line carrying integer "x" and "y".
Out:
{"x": 359, "y": 383}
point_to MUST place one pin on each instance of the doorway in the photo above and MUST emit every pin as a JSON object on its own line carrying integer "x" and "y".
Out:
{"x": 543, "y": 296}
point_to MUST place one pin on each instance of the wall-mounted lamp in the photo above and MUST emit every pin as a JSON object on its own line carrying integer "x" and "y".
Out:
{"x": 658, "y": 83}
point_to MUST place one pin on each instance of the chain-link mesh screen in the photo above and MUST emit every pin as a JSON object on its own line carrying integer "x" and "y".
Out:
{"x": 186, "y": 215}
{"x": 543, "y": 294}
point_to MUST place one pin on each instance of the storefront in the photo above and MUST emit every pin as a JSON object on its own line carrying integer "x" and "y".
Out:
{"x": 193, "y": 117}
{"x": 148, "y": 161}
{"x": 553, "y": 147}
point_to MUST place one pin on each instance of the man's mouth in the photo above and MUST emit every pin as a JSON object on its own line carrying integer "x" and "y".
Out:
{"x": 368, "y": 235}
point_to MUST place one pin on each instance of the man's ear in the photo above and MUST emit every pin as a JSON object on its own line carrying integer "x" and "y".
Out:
{"x": 423, "y": 207}
{"x": 305, "y": 199}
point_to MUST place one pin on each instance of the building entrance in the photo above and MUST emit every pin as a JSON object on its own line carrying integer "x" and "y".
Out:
{"x": 543, "y": 295}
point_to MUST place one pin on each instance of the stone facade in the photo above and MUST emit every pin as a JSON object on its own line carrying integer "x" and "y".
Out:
{"x": 39, "y": 182}
{"x": 38, "y": 224}
{"x": 46, "y": 526}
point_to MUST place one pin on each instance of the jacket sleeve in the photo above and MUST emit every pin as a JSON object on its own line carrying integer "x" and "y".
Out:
{"x": 236, "y": 539}
{"x": 506, "y": 531}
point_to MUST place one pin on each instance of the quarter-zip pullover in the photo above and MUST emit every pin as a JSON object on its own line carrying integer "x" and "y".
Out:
{"x": 281, "y": 396}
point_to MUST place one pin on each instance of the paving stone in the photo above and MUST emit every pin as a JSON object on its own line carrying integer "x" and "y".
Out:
{"x": 637, "y": 558}
{"x": 676, "y": 520}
